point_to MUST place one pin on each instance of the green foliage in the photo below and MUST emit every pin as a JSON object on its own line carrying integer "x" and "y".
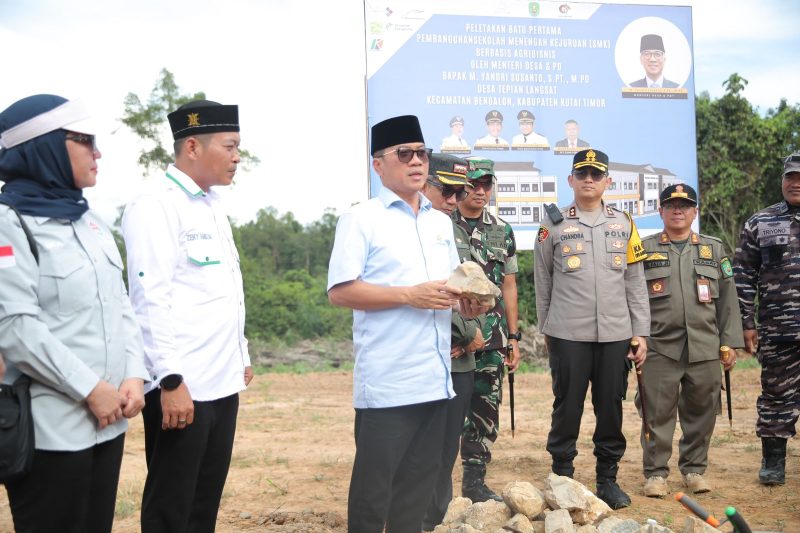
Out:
{"x": 284, "y": 268}
{"x": 526, "y": 292}
{"x": 149, "y": 122}
{"x": 739, "y": 156}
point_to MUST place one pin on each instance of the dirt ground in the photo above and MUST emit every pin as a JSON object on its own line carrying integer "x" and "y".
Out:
{"x": 294, "y": 451}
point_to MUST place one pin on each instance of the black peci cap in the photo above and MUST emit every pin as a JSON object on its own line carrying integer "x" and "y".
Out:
{"x": 394, "y": 131}
{"x": 203, "y": 116}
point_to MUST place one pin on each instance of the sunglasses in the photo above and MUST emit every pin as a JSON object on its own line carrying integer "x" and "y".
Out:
{"x": 81, "y": 138}
{"x": 447, "y": 191}
{"x": 485, "y": 185}
{"x": 595, "y": 174}
{"x": 405, "y": 155}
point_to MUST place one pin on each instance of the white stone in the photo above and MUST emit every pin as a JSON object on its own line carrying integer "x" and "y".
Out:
{"x": 613, "y": 524}
{"x": 470, "y": 278}
{"x": 487, "y": 515}
{"x": 695, "y": 525}
{"x": 558, "y": 521}
{"x": 562, "y": 492}
{"x": 522, "y": 497}
{"x": 519, "y": 523}
{"x": 456, "y": 510}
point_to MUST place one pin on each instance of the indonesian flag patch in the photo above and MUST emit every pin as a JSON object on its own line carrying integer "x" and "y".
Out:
{"x": 7, "y": 259}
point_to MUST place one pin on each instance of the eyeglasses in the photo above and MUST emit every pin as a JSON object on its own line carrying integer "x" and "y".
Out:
{"x": 448, "y": 191}
{"x": 405, "y": 155}
{"x": 655, "y": 54}
{"x": 596, "y": 174}
{"x": 483, "y": 184}
{"x": 81, "y": 138}
{"x": 677, "y": 206}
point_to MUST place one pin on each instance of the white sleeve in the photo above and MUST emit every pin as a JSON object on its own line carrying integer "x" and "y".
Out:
{"x": 151, "y": 229}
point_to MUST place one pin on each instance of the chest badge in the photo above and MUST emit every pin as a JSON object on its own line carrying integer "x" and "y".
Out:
{"x": 571, "y": 229}
{"x": 566, "y": 249}
{"x": 618, "y": 245}
{"x": 617, "y": 261}
{"x": 574, "y": 262}
{"x": 705, "y": 252}
{"x": 578, "y": 246}
{"x": 615, "y": 226}
{"x": 657, "y": 286}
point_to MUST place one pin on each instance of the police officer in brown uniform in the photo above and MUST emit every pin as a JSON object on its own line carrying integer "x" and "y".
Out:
{"x": 591, "y": 301}
{"x": 694, "y": 310}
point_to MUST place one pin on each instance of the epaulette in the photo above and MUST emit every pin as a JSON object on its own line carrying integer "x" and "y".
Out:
{"x": 554, "y": 213}
{"x": 711, "y": 238}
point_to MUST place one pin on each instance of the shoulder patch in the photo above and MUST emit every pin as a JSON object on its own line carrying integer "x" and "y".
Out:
{"x": 543, "y": 234}
{"x": 725, "y": 266}
{"x": 7, "y": 259}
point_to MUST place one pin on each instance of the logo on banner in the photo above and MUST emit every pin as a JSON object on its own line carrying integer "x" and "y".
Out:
{"x": 533, "y": 9}
{"x": 377, "y": 44}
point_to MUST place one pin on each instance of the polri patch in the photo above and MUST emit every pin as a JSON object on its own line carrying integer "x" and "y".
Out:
{"x": 543, "y": 234}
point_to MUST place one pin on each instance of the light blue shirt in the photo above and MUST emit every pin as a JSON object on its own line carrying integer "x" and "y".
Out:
{"x": 402, "y": 354}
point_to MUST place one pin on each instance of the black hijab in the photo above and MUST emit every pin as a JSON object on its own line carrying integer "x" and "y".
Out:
{"x": 38, "y": 173}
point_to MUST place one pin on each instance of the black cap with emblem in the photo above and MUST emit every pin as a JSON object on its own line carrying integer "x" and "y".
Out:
{"x": 679, "y": 191}
{"x": 590, "y": 158}
{"x": 203, "y": 116}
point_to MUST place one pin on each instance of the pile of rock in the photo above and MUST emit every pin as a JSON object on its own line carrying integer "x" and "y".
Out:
{"x": 565, "y": 506}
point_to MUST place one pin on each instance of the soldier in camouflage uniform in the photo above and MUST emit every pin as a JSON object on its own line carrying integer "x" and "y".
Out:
{"x": 767, "y": 268}
{"x": 492, "y": 245}
{"x": 694, "y": 310}
{"x": 445, "y": 187}
{"x": 591, "y": 300}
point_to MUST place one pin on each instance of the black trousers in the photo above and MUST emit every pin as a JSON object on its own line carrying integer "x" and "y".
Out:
{"x": 70, "y": 492}
{"x": 573, "y": 365}
{"x": 186, "y": 468}
{"x": 398, "y": 452}
{"x": 463, "y": 383}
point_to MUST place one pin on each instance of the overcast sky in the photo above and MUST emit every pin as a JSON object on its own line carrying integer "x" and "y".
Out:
{"x": 296, "y": 69}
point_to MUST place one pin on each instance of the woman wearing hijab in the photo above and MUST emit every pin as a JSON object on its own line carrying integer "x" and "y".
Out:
{"x": 65, "y": 320}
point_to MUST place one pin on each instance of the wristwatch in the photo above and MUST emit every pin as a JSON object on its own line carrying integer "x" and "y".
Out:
{"x": 516, "y": 336}
{"x": 171, "y": 382}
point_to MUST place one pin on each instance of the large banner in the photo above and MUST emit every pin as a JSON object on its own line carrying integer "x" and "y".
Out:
{"x": 528, "y": 84}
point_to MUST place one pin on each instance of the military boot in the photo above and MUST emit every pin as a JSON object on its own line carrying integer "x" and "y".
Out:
{"x": 773, "y": 462}
{"x": 473, "y": 486}
{"x": 607, "y": 488}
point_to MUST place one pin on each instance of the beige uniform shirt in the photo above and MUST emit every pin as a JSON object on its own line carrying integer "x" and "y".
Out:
{"x": 677, "y": 280}
{"x": 589, "y": 278}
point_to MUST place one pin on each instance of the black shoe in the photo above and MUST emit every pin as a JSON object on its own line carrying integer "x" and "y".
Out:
{"x": 473, "y": 486}
{"x": 609, "y": 492}
{"x": 773, "y": 462}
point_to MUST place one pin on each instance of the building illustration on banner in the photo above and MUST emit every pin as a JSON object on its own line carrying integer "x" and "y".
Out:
{"x": 522, "y": 190}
